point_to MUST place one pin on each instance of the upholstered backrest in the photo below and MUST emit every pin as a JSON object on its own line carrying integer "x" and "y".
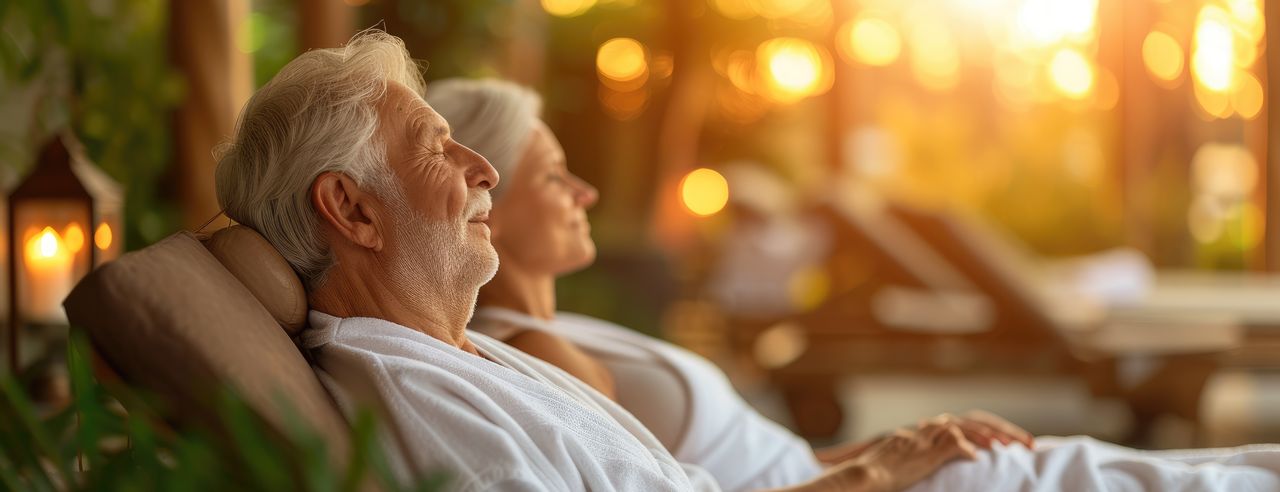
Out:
{"x": 174, "y": 320}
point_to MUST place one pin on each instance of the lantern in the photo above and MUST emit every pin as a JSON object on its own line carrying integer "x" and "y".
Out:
{"x": 64, "y": 219}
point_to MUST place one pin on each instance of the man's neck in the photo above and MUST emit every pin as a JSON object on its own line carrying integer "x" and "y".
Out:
{"x": 522, "y": 291}
{"x": 346, "y": 295}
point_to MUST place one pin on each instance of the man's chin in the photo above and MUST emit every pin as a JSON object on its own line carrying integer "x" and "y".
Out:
{"x": 487, "y": 265}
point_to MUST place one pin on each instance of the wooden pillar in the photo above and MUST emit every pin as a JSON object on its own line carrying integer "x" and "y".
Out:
{"x": 838, "y": 98}
{"x": 325, "y": 23}
{"x": 680, "y": 126}
{"x": 217, "y": 78}
{"x": 525, "y": 53}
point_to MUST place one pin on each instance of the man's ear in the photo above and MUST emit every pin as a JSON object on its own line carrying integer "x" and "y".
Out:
{"x": 349, "y": 210}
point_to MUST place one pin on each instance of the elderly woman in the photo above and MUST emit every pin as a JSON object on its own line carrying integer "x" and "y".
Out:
{"x": 540, "y": 231}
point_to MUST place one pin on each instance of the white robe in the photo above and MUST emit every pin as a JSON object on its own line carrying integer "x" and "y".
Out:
{"x": 517, "y": 424}
{"x": 745, "y": 451}
{"x": 719, "y": 431}
{"x": 1082, "y": 463}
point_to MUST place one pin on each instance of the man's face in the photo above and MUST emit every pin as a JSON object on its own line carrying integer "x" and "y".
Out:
{"x": 439, "y": 231}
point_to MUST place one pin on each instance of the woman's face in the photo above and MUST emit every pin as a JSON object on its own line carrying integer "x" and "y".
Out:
{"x": 539, "y": 223}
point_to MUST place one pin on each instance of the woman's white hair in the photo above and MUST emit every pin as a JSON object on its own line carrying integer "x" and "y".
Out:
{"x": 318, "y": 114}
{"x": 490, "y": 116}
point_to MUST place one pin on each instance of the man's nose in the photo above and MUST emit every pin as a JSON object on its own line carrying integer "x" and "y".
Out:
{"x": 480, "y": 174}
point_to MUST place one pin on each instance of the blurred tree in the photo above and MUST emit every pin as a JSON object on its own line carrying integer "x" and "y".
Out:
{"x": 216, "y": 70}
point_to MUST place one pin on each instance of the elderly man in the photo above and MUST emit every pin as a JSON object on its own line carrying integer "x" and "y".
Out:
{"x": 344, "y": 168}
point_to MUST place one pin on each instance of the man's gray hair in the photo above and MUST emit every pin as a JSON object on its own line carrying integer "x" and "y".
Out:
{"x": 492, "y": 117}
{"x": 318, "y": 114}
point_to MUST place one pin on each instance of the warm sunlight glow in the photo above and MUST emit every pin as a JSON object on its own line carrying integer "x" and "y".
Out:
{"x": 741, "y": 71}
{"x": 1215, "y": 104}
{"x": 102, "y": 237}
{"x": 704, "y": 192}
{"x": 567, "y": 8}
{"x": 734, "y": 9}
{"x": 1050, "y": 21}
{"x": 1248, "y": 18}
{"x": 935, "y": 59}
{"x": 1247, "y": 98}
{"x": 870, "y": 41}
{"x": 622, "y": 59}
{"x": 1163, "y": 56}
{"x": 1071, "y": 73}
{"x": 1213, "y": 58}
{"x": 794, "y": 68}
{"x": 779, "y": 9}
{"x": 73, "y": 235}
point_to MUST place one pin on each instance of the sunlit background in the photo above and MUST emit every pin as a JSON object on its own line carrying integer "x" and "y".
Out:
{"x": 865, "y": 210}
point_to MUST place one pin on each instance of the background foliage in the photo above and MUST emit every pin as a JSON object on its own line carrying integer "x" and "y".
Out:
{"x": 98, "y": 69}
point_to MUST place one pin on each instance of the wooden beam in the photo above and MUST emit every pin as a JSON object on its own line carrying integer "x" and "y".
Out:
{"x": 217, "y": 78}
{"x": 324, "y": 24}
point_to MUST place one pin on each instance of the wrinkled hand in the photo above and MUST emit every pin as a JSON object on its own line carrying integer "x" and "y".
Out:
{"x": 981, "y": 428}
{"x": 985, "y": 429}
{"x": 904, "y": 457}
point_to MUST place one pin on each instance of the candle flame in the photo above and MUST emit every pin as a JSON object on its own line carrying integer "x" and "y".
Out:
{"x": 48, "y": 243}
{"x": 44, "y": 245}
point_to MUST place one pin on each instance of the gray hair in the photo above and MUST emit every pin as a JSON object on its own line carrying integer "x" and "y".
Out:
{"x": 318, "y": 114}
{"x": 492, "y": 117}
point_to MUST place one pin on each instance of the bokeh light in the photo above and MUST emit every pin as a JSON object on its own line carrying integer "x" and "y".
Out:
{"x": 1247, "y": 98}
{"x": 102, "y": 237}
{"x": 622, "y": 60}
{"x": 808, "y": 288}
{"x": 704, "y": 192}
{"x": 871, "y": 41}
{"x": 1045, "y": 22}
{"x": 741, "y": 71}
{"x": 780, "y": 344}
{"x": 935, "y": 59}
{"x": 793, "y": 68}
{"x": 1213, "y": 57}
{"x": 1215, "y": 104}
{"x": 1163, "y": 56}
{"x": 781, "y": 9}
{"x": 1248, "y": 18}
{"x": 1071, "y": 73}
{"x": 734, "y": 9}
{"x": 567, "y": 8}
{"x": 73, "y": 235}
{"x": 1107, "y": 90}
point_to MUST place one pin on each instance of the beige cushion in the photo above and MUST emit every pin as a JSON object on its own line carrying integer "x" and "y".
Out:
{"x": 253, "y": 261}
{"x": 172, "y": 320}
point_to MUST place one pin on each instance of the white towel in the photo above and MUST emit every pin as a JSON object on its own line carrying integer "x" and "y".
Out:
{"x": 721, "y": 433}
{"x": 1082, "y": 463}
{"x": 517, "y": 424}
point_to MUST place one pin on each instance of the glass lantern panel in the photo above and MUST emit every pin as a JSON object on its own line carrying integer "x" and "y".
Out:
{"x": 51, "y": 241}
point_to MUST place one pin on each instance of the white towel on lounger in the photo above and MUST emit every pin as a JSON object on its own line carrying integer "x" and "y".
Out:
{"x": 506, "y": 421}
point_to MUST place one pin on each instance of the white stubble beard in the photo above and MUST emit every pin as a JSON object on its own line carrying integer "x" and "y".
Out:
{"x": 435, "y": 261}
